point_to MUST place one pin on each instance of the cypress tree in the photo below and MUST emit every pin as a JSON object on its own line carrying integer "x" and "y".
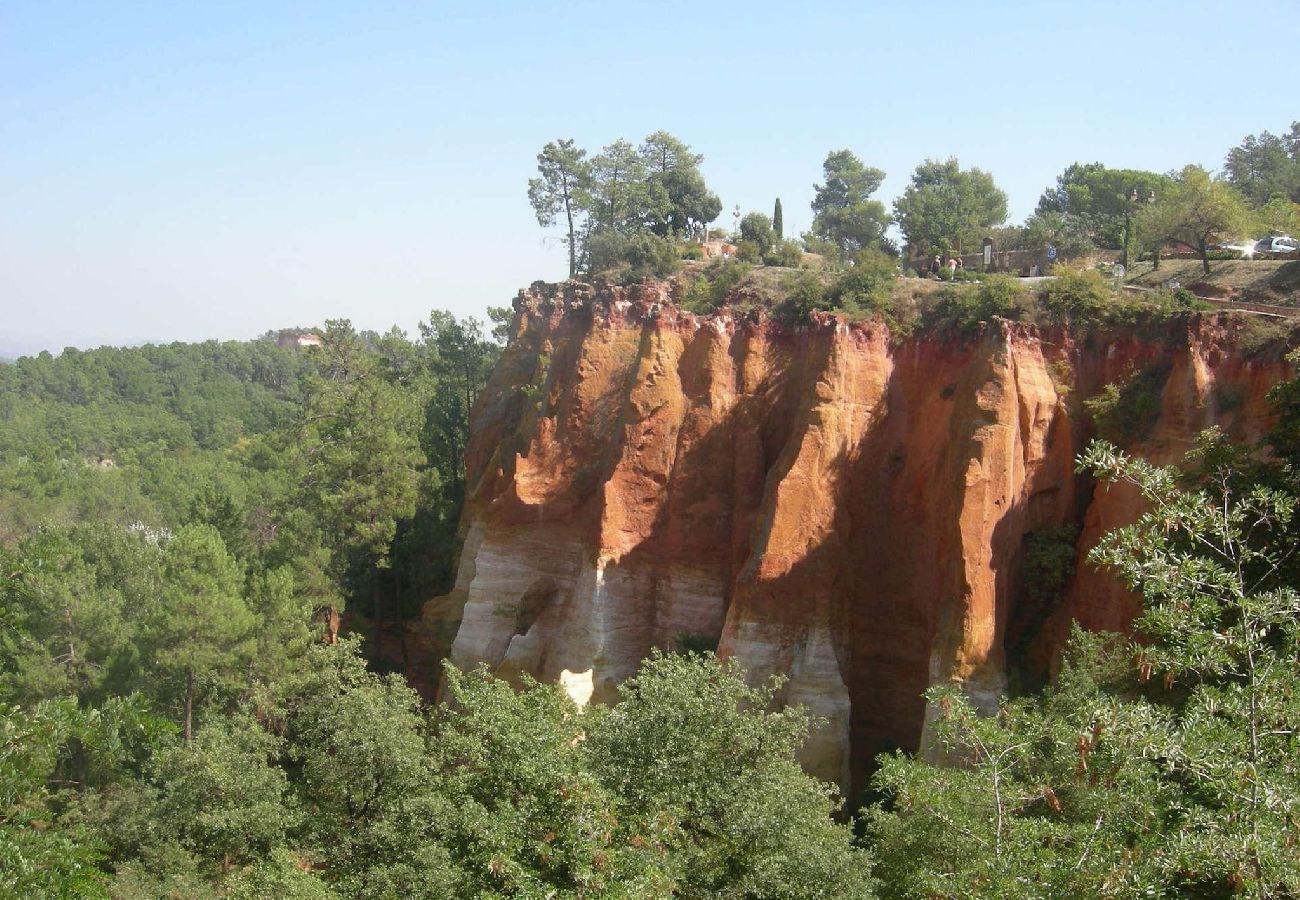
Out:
{"x": 776, "y": 220}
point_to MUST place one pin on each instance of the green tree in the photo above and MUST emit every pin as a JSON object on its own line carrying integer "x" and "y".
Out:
{"x": 945, "y": 205}
{"x": 843, "y": 212}
{"x": 1097, "y": 202}
{"x": 690, "y": 744}
{"x": 1162, "y": 766}
{"x": 46, "y": 847}
{"x": 199, "y": 632}
{"x": 622, "y": 197}
{"x": 366, "y": 780}
{"x": 1070, "y": 235}
{"x": 1278, "y": 215}
{"x": 562, "y": 187}
{"x": 778, "y": 220}
{"x": 530, "y": 817}
{"x": 220, "y": 797}
{"x": 72, "y": 599}
{"x": 1266, "y": 166}
{"x": 362, "y": 460}
{"x": 757, "y": 229}
{"x": 679, "y": 201}
{"x": 1194, "y": 210}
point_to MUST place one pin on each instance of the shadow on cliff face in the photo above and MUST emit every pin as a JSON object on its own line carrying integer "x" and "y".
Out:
{"x": 896, "y": 557}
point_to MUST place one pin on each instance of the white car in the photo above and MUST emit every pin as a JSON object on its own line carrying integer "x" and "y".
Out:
{"x": 1278, "y": 244}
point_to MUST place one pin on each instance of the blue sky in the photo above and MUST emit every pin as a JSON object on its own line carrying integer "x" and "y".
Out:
{"x": 185, "y": 171}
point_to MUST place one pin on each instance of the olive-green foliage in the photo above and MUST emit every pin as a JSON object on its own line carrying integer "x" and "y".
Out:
{"x": 219, "y": 796}
{"x": 862, "y": 290}
{"x": 703, "y": 766}
{"x": 748, "y": 252}
{"x": 1049, "y": 561}
{"x": 1077, "y": 296}
{"x": 964, "y": 308}
{"x": 785, "y": 253}
{"x": 1266, "y": 166}
{"x": 846, "y": 220}
{"x": 708, "y": 291}
{"x": 1127, "y": 410}
{"x": 945, "y": 203}
{"x": 526, "y": 815}
{"x": 804, "y": 293}
{"x": 756, "y": 228}
{"x": 134, "y": 434}
{"x": 632, "y": 257}
{"x": 1159, "y": 767}
{"x": 37, "y": 860}
{"x": 358, "y": 743}
{"x": 1043, "y": 799}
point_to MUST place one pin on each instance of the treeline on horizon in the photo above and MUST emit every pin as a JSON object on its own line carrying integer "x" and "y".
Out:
{"x": 638, "y": 210}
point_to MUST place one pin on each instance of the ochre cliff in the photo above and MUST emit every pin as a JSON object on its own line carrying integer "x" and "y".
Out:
{"x": 821, "y": 501}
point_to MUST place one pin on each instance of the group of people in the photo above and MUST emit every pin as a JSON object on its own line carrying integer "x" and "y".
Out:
{"x": 954, "y": 265}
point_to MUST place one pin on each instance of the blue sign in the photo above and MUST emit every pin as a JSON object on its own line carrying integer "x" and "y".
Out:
{"x": 1051, "y": 251}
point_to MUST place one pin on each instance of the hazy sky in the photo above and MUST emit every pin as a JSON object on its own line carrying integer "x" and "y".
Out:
{"x": 195, "y": 170}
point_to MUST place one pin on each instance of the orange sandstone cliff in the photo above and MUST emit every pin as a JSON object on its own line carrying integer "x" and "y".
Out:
{"x": 820, "y": 500}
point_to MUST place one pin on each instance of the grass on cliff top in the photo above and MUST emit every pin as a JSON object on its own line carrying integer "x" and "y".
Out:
{"x": 1259, "y": 280}
{"x": 873, "y": 290}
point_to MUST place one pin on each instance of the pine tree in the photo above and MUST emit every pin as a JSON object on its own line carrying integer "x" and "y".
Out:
{"x": 778, "y": 223}
{"x": 201, "y": 627}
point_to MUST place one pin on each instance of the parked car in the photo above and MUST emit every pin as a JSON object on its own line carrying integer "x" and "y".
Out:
{"x": 1281, "y": 243}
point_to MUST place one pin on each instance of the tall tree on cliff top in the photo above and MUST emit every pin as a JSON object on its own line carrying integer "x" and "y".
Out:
{"x": 678, "y": 200}
{"x": 563, "y": 185}
{"x": 1266, "y": 166}
{"x": 1195, "y": 210}
{"x": 620, "y": 189}
{"x": 844, "y": 213}
{"x": 778, "y": 220}
{"x": 1095, "y": 200}
{"x": 947, "y": 207}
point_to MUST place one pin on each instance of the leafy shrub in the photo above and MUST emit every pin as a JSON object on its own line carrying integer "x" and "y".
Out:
{"x": 756, "y": 229}
{"x": 866, "y": 285}
{"x": 749, "y": 252}
{"x": 786, "y": 253}
{"x": 1081, "y": 297}
{"x": 1174, "y": 302}
{"x": 964, "y": 308}
{"x": 1049, "y": 561}
{"x": 692, "y": 251}
{"x": 804, "y": 294}
{"x": 1127, "y": 410}
{"x": 708, "y": 291}
{"x": 634, "y": 257}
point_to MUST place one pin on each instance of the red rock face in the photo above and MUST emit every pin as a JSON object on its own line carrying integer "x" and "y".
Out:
{"x": 825, "y": 503}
